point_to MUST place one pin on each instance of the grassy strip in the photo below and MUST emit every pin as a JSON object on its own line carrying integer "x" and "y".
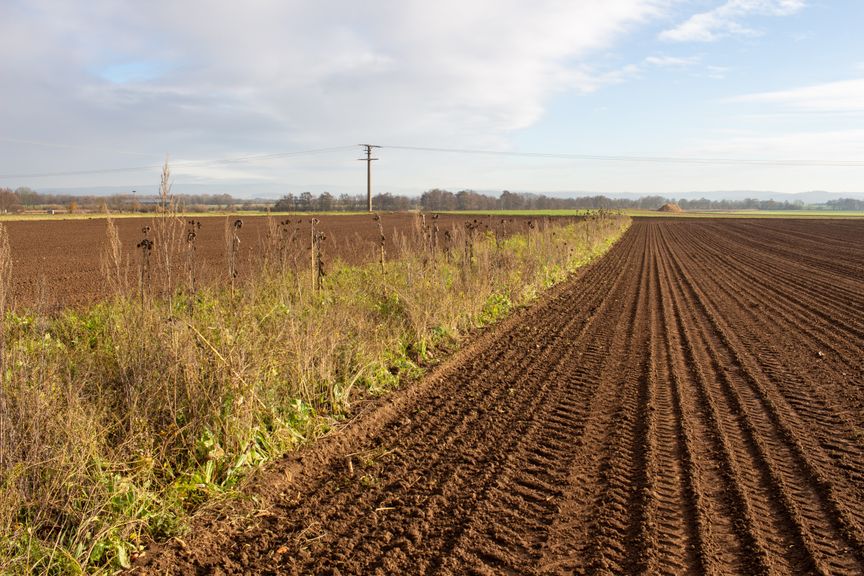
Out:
{"x": 685, "y": 214}
{"x": 118, "y": 422}
{"x": 817, "y": 214}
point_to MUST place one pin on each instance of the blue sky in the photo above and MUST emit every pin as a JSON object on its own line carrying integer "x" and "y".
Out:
{"x": 104, "y": 85}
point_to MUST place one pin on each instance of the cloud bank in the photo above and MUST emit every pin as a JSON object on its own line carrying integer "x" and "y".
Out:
{"x": 205, "y": 79}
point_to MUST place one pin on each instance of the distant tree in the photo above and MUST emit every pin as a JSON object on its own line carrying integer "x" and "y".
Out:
{"x": 384, "y": 201}
{"x": 437, "y": 199}
{"x": 27, "y": 196}
{"x": 845, "y": 204}
{"x": 471, "y": 200}
{"x": 304, "y": 203}
{"x": 225, "y": 200}
{"x": 9, "y": 200}
{"x": 346, "y": 202}
{"x": 511, "y": 201}
{"x": 286, "y": 204}
{"x": 325, "y": 202}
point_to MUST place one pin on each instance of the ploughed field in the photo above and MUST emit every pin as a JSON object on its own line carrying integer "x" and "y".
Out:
{"x": 58, "y": 263}
{"x": 693, "y": 403}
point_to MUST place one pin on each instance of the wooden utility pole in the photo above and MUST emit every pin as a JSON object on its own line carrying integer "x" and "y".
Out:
{"x": 368, "y": 159}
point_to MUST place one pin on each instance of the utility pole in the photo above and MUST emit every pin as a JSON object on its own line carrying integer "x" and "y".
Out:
{"x": 368, "y": 159}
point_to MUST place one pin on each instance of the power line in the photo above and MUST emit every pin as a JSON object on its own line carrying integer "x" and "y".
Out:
{"x": 368, "y": 159}
{"x": 174, "y": 165}
{"x": 649, "y": 159}
{"x": 551, "y": 155}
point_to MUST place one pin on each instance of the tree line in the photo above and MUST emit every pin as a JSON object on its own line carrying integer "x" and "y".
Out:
{"x": 326, "y": 202}
{"x": 434, "y": 200}
{"x": 845, "y": 204}
{"x": 438, "y": 200}
{"x": 25, "y": 198}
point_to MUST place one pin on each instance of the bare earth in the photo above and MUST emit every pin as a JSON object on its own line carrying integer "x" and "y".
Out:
{"x": 693, "y": 403}
{"x": 58, "y": 263}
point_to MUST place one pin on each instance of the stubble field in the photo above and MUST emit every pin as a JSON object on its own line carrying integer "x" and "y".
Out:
{"x": 692, "y": 403}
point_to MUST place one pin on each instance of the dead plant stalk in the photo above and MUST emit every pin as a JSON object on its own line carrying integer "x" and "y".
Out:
{"x": 5, "y": 286}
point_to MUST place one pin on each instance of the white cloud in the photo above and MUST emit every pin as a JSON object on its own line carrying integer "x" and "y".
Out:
{"x": 693, "y": 65}
{"x": 725, "y": 20}
{"x": 844, "y": 96}
{"x": 204, "y": 79}
{"x": 672, "y": 61}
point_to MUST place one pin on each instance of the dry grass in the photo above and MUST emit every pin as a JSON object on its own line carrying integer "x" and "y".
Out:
{"x": 114, "y": 269}
{"x": 5, "y": 276}
{"x": 118, "y": 421}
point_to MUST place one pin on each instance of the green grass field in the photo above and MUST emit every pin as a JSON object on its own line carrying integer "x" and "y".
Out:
{"x": 749, "y": 214}
{"x": 693, "y": 214}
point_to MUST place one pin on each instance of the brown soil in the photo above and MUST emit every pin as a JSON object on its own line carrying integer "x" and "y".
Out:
{"x": 670, "y": 207}
{"x": 57, "y": 263}
{"x": 693, "y": 403}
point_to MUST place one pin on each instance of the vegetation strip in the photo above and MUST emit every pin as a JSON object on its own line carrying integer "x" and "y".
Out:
{"x": 122, "y": 418}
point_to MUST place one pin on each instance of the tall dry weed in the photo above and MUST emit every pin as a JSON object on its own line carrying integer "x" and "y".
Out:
{"x": 113, "y": 268}
{"x": 122, "y": 418}
{"x": 193, "y": 227}
{"x": 5, "y": 287}
{"x": 382, "y": 241}
{"x": 5, "y": 274}
{"x": 168, "y": 234}
{"x": 145, "y": 267}
{"x": 232, "y": 247}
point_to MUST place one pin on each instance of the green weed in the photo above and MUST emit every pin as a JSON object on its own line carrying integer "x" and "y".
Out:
{"x": 121, "y": 420}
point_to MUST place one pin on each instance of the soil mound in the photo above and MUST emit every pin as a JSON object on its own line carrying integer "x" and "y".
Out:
{"x": 670, "y": 207}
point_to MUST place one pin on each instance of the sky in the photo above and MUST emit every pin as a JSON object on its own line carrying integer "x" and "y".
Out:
{"x": 265, "y": 97}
